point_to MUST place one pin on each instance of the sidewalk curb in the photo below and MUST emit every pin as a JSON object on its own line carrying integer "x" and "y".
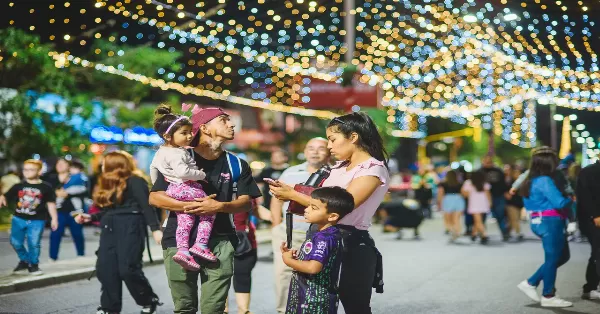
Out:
{"x": 29, "y": 283}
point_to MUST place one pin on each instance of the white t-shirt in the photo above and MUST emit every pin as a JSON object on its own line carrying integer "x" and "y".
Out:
{"x": 292, "y": 176}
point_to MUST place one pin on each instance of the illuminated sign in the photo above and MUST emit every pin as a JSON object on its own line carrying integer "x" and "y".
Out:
{"x": 134, "y": 136}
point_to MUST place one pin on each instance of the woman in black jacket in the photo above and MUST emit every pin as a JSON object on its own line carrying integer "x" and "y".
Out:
{"x": 124, "y": 215}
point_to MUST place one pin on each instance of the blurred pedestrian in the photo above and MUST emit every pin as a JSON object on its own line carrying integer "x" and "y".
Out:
{"x": 588, "y": 214}
{"x": 279, "y": 159}
{"x": 495, "y": 177}
{"x": 362, "y": 171}
{"x": 67, "y": 187}
{"x": 34, "y": 199}
{"x": 317, "y": 155}
{"x": 479, "y": 200}
{"x": 451, "y": 202}
{"x": 244, "y": 259}
{"x": 514, "y": 206}
{"x": 546, "y": 204}
{"x": 124, "y": 216}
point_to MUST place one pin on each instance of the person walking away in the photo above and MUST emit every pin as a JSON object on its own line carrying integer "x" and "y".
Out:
{"x": 124, "y": 215}
{"x": 230, "y": 190}
{"x": 314, "y": 285}
{"x": 362, "y": 171}
{"x": 317, "y": 155}
{"x": 244, "y": 259}
{"x": 479, "y": 200}
{"x": 179, "y": 169}
{"x": 588, "y": 215}
{"x": 421, "y": 185}
{"x": 34, "y": 199}
{"x": 452, "y": 203}
{"x": 514, "y": 205}
{"x": 279, "y": 159}
{"x": 67, "y": 187}
{"x": 495, "y": 177}
{"x": 545, "y": 203}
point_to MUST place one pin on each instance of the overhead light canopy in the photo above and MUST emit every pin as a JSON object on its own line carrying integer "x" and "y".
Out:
{"x": 470, "y": 18}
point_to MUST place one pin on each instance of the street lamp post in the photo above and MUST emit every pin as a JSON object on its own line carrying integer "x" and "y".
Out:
{"x": 349, "y": 25}
{"x": 553, "y": 130}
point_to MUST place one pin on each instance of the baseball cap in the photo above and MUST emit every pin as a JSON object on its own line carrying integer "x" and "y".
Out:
{"x": 204, "y": 116}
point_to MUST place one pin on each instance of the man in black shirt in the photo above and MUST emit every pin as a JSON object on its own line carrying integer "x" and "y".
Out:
{"x": 34, "y": 200}
{"x": 212, "y": 127}
{"x": 496, "y": 178}
{"x": 588, "y": 215}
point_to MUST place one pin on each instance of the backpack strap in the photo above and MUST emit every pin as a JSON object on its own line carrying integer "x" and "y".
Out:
{"x": 235, "y": 168}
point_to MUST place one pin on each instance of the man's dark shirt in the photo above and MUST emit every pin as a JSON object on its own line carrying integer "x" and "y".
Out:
{"x": 218, "y": 181}
{"x": 588, "y": 193}
{"x": 495, "y": 177}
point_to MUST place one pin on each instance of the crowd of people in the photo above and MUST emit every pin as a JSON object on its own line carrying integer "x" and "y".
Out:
{"x": 199, "y": 200}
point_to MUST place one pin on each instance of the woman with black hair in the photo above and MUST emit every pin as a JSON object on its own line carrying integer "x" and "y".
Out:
{"x": 362, "y": 171}
{"x": 547, "y": 205}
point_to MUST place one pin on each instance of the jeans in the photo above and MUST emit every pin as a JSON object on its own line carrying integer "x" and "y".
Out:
{"x": 556, "y": 251}
{"x": 32, "y": 230}
{"x": 76, "y": 229}
{"x": 499, "y": 212}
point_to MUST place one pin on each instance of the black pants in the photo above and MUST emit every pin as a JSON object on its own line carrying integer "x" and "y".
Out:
{"x": 356, "y": 281}
{"x": 592, "y": 272}
{"x": 242, "y": 271}
{"x": 120, "y": 259}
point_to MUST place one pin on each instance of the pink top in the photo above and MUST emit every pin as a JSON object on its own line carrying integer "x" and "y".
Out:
{"x": 478, "y": 202}
{"x": 361, "y": 216}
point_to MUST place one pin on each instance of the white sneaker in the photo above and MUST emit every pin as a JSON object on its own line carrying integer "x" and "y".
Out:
{"x": 592, "y": 295}
{"x": 555, "y": 301}
{"x": 529, "y": 290}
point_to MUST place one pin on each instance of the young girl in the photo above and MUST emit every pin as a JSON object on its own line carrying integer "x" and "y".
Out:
{"x": 180, "y": 170}
{"x": 479, "y": 202}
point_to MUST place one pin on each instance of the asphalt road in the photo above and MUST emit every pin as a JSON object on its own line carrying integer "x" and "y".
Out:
{"x": 426, "y": 276}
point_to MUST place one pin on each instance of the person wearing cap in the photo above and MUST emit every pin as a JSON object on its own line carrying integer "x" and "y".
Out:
{"x": 212, "y": 128}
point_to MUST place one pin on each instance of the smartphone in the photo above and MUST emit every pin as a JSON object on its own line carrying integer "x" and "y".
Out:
{"x": 270, "y": 181}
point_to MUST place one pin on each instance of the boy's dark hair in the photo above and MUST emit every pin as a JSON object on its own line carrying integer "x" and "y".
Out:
{"x": 77, "y": 164}
{"x": 163, "y": 117}
{"x": 338, "y": 200}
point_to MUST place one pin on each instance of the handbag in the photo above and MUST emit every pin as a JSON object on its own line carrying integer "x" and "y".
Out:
{"x": 244, "y": 245}
{"x": 296, "y": 208}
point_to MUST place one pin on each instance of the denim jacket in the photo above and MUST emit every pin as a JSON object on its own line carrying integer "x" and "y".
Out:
{"x": 544, "y": 195}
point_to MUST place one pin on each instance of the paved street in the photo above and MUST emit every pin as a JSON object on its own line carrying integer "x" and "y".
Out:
{"x": 427, "y": 276}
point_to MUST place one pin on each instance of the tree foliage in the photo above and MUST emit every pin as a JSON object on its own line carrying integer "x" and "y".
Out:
{"x": 26, "y": 65}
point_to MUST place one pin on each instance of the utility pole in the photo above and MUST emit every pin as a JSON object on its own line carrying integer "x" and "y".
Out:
{"x": 350, "y": 27}
{"x": 553, "y": 130}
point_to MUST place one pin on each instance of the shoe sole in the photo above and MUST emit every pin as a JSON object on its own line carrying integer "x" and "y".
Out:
{"x": 525, "y": 291}
{"x": 21, "y": 272}
{"x": 36, "y": 273}
{"x": 556, "y": 306}
{"x": 203, "y": 255}
{"x": 185, "y": 264}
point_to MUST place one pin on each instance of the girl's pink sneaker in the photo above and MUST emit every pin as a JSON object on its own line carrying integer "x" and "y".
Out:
{"x": 203, "y": 253}
{"x": 186, "y": 261}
